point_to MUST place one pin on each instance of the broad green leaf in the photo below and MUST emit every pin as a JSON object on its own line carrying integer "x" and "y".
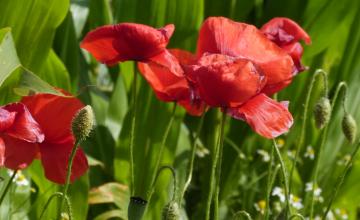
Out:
{"x": 110, "y": 193}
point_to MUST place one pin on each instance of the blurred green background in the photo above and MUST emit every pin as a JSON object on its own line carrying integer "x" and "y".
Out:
{"x": 47, "y": 35}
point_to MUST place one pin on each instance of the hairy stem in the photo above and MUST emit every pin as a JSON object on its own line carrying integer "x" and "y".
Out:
{"x": 132, "y": 133}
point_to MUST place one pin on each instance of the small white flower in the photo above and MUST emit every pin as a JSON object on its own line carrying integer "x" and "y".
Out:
{"x": 260, "y": 206}
{"x": 19, "y": 178}
{"x": 310, "y": 153}
{"x": 291, "y": 154}
{"x": 201, "y": 151}
{"x": 280, "y": 142}
{"x": 279, "y": 192}
{"x": 296, "y": 202}
{"x": 342, "y": 213}
{"x": 317, "y": 191}
{"x": 265, "y": 155}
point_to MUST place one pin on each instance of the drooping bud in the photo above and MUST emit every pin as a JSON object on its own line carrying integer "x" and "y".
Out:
{"x": 83, "y": 123}
{"x": 349, "y": 127}
{"x": 322, "y": 112}
{"x": 171, "y": 211}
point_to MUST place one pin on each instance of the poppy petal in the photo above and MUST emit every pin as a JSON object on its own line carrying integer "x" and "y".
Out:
{"x": 225, "y": 81}
{"x": 284, "y": 31}
{"x": 53, "y": 113}
{"x": 110, "y": 44}
{"x": 55, "y": 157}
{"x": 295, "y": 50}
{"x": 6, "y": 119}
{"x": 18, "y": 154}
{"x": 224, "y": 36}
{"x": 24, "y": 126}
{"x": 194, "y": 107}
{"x": 2, "y": 152}
{"x": 166, "y": 77}
{"x": 265, "y": 116}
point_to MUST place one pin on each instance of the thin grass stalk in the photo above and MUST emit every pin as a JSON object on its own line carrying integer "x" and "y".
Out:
{"x": 7, "y": 187}
{"x": 192, "y": 159}
{"x": 268, "y": 187}
{"x": 341, "y": 180}
{"x": 285, "y": 176}
{"x": 161, "y": 151}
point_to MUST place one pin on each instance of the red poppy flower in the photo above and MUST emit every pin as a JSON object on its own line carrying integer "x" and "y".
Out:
{"x": 286, "y": 33}
{"x": 111, "y": 44}
{"x": 54, "y": 114}
{"x": 224, "y": 36}
{"x": 19, "y": 135}
{"x": 165, "y": 75}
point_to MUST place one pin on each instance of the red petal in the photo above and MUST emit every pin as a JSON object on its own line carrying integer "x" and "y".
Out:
{"x": 2, "y": 152}
{"x": 166, "y": 77}
{"x": 54, "y": 114}
{"x": 24, "y": 126}
{"x": 284, "y": 31}
{"x": 265, "y": 116}
{"x": 18, "y": 153}
{"x": 224, "y": 81}
{"x": 222, "y": 35}
{"x": 55, "y": 157}
{"x": 194, "y": 107}
{"x": 126, "y": 41}
{"x": 295, "y": 50}
{"x": 6, "y": 119}
{"x": 274, "y": 88}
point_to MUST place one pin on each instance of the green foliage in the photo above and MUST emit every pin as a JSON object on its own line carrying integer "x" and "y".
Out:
{"x": 39, "y": 48}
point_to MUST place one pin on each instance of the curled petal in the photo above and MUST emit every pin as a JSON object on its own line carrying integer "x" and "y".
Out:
{"x": 24, "y": 126}
{"x": 55, "y": 157}
{"x": 54, "y": 114}
{"x": 265, "y": 116}
{"x": 18, "y": 154}
{"x": 295, "y": 50}
{"x": 6, "y": 119}
{"x": 224, "y": 36}
{"x": 224, "y": 81}
{"x": 110, "y": 44}
{"x": 284, "y": 31}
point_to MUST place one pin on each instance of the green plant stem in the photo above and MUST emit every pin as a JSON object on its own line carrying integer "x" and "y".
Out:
{"x": 297, "y": 215}
{"x": 57, "y": 194}
{"x": 218, "y": 165}
{"x": 68, "y": 175}
{"x": 269, "y": 186}
{"x": 340, "y": 181}
{"x": 192, "y": 158}
{"x": 172, "y": 170}
{"x": 341, "y": 86}
{"x": 161, "y": 151}
{"x": 299, "y": 146}
{"x": 242, "y": 213}
{"x": 132, "y": 133}
{"x": 7, "y": 187}
{"x": 285, "y": 176}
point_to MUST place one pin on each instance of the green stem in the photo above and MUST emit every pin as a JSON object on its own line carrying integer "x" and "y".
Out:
{"x": 269, "y": 186}
{"x": 57, "y": 194}
{"x": 341, "y": 180}
{"x": 192, "y": 158}
{"x": 7, "y": 187}
{"x": 285, "y": 176}
{"x": 242, "y": 213}
{"x": 68, "y": 175}
{"x": 297, "y": 215}
{"x": 317, "y": 73}
{"x": 174, "y": 177}
{"x": 161, "y": 151}
{"x": 218, "y": 167}
{"x": 132, "y": 133}
{"x": 342, "y": 85}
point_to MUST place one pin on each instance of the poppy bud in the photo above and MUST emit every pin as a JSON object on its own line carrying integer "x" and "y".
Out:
{"x": 136, "y": 208}
{"x": 322, "y": 112}
{"x": 349, "y": 128}
{"x": 83, "y": 123}
{"x": 171, "y": 211}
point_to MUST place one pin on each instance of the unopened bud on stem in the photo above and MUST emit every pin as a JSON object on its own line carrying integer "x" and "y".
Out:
{"x": 83, "y": 123}
{"x": 322, "y": 112}
{"x": 171, "y": 211}
{"x": 349, "y": 128}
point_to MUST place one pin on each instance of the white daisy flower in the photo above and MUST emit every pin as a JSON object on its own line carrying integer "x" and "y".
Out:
{"x": 342, "y": 213}
{"x": 279, "y": 192}
{"x": 317, "y": 191}
{"x": 19, "y": 178}
{"x": 309, "y": 153}
{"x": 296, "y": 202}
{"x": 264, "y": 154}
{"x": 260, "y": 206}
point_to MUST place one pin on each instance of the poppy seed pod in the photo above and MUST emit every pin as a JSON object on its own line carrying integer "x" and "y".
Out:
{"x": 83, "y": 123}
{"x": 322, "y": 112}
{"x": 171, "y": 211}
{"x": 349, "y": 127}
{"x": 136, "y": 208}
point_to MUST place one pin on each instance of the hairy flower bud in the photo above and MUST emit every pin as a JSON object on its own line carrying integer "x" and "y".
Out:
{"x": 83, "y": 123}
{"x": 349, "y": 127}
{"x": 171, "y": 211}
{"x": 322, "y": 112}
